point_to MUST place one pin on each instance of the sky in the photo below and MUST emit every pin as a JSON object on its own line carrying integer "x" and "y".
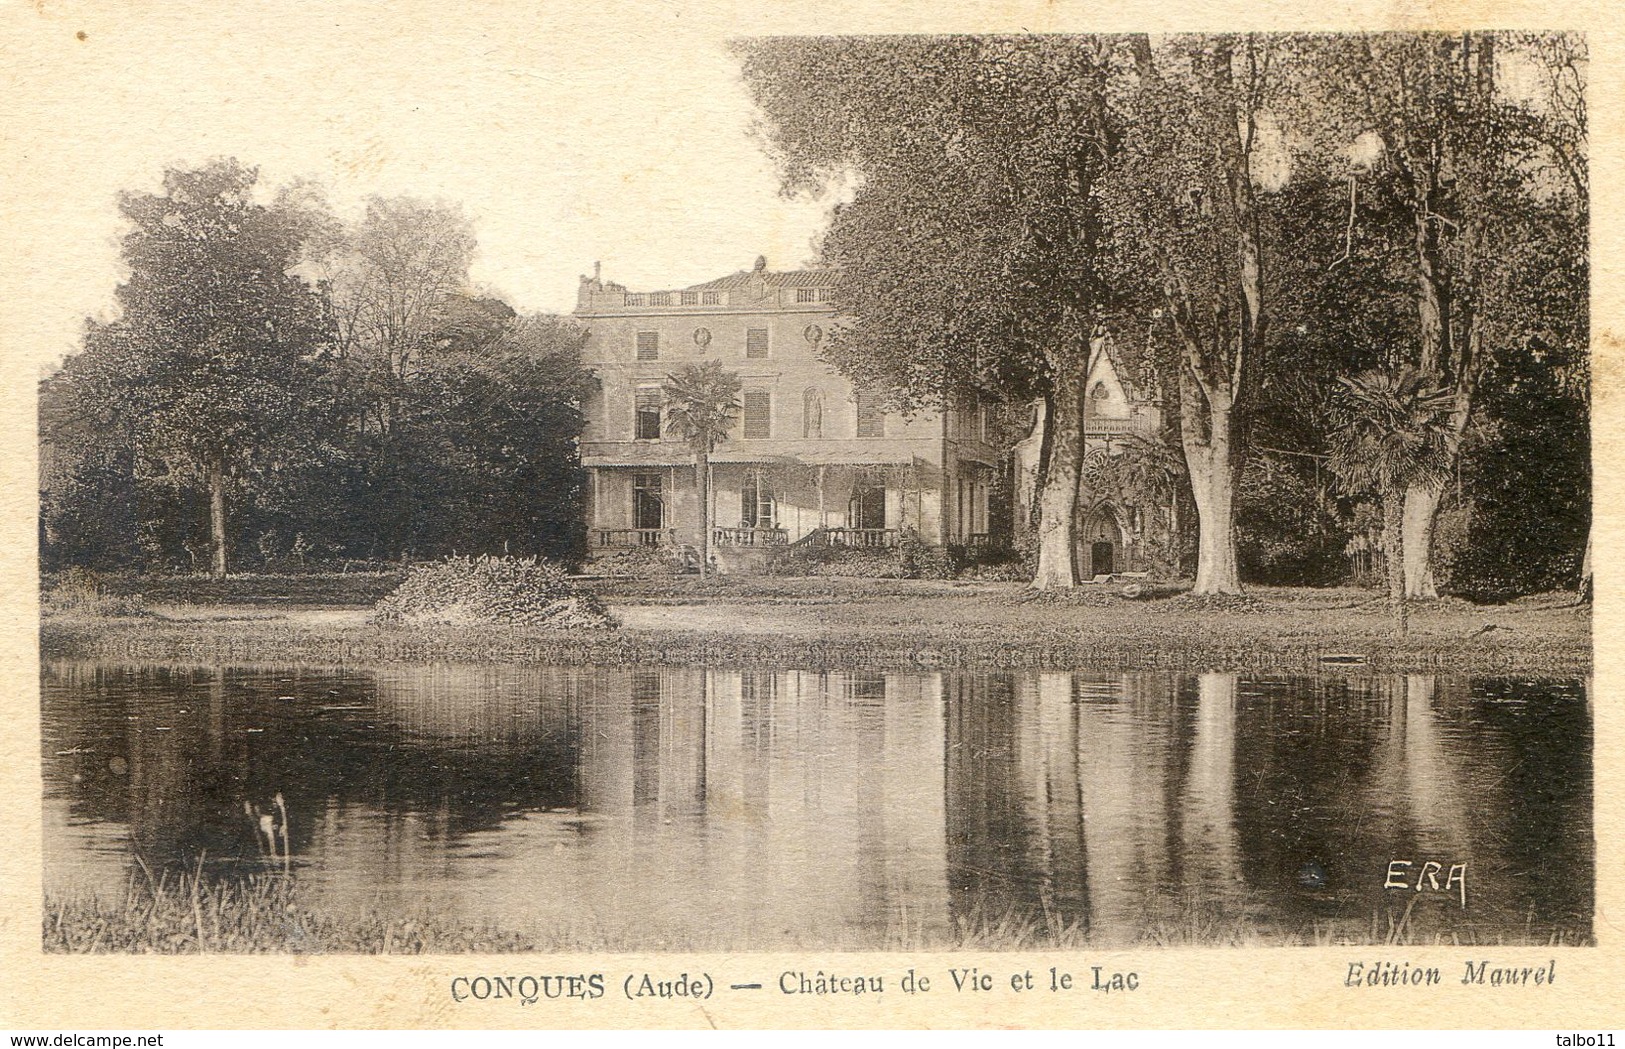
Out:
{"x": 571, "y": 133}
{"x": 613, "y": 134}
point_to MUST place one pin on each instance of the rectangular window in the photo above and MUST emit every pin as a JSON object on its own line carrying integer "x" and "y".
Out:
{"x": 646, "y": 418}
{"x": 806, "y": 294}
{"x": 648, "y": 509}
{"x": 758, "y": 405}
{"x": 871, "y": 420}
{"x": 660, "y": 298}
{"x": 710, "y": 298}
{"x": 758, "y": 508}
{"x": 965, "y": 418}
{"x": 756, "y": 342}
{"x": 648, "y": 345}
{"x": 690, "y": 298}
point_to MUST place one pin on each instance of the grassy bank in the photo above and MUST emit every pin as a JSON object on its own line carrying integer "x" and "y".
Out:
{"x": 885, "y": 624}
{"x": 327, "y": 589}
{"x": 263, "y": 914}
{"x": 250, "y": 915}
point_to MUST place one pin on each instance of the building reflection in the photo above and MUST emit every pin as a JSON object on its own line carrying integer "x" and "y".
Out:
{"x": 706, "y": 808}
{"x": 1061, "y": 789}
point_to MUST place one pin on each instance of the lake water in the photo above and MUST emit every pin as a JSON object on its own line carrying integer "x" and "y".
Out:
{"x": 716, "y": 809}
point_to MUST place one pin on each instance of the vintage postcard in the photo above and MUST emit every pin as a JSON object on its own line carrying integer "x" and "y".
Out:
{"x": 678, "y": 515}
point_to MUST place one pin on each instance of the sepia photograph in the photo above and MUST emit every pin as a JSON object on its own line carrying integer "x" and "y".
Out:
{"x": 509, "y": 490}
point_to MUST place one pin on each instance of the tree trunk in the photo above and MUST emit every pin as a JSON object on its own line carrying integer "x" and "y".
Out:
{"x": 216, "y": 471}
{"x": 1219, "y": 353}
{"x": 1058, "y": 495}
{"x": 1420, "y": 516}
{"x": 1393, "y": 524}
{"x": 1029, "y": 512}
{"x": 1212, "y": 465}
{"x": 702, "y": 481}
{"x": 1213, "y": 859}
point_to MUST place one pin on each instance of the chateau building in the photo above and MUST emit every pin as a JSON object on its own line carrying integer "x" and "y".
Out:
{"x": 809, "y": 460}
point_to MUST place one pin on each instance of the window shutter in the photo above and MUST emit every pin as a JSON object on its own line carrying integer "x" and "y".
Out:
{"x": 871, "y": 420}
{"x": 648, "y": 345}
{"x": 756, "y": 342}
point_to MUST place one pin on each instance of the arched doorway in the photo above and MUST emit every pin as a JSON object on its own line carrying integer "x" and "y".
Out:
{"x": 1100, "y": 544}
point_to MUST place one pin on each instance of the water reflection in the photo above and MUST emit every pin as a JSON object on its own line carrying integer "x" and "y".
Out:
{"x": 700, "y": 808}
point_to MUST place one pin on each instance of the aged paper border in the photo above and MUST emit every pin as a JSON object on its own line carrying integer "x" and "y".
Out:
{"x": 1227, "y": 988}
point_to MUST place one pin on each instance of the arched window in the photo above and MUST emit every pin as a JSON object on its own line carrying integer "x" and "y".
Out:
{"x": 812, "y": 414}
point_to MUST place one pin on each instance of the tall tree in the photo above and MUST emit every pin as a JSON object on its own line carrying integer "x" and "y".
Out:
{"x": 1461, "y": 159}
{"x": 1183, "y": 211}
{"x": 485, "y": 442}
{"x": 214, "y": 359}
{"x": 390, "y": 274}
{"x": 702, "y": 404}
{"x": 967, "y": 258}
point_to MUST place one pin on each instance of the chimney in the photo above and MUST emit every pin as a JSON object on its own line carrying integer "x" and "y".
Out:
{"x": 761, "y": 263}
{"x": 598, "y": 271}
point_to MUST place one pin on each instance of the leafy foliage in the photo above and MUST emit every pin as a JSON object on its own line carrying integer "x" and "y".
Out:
{"x": 636, "y": 562}
{"x": 965, "y": 258}
{"x": 911, "y": 558}
{"x": 212, "y": 368}
{"x": 382, "y": 413}
{"x": 1391, "y": 431}
{"x": 701, "y": 404}
{"x": 1288, "y": 530}
{"x": 81, "y": 592}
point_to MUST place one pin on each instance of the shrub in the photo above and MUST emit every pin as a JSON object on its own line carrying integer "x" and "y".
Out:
{"x": 922, "y": 560}
{"x": 495, "y": 590}
{"x": 997, "y": 564}
{"x": 80, "y": 591}
{"x": 1014, "y": 571}
{"x": 859, "y": 562}
{"x": 637, "y": 562}
{"x": 911, "y": 558}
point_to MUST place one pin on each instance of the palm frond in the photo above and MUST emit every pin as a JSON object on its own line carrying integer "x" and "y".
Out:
{"x": 701, "y": 403}
{"x": 1391, "y": 431}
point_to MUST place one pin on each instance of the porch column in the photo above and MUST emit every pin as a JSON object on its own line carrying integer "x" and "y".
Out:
{"x": 597, "y": 498}
{"x": 823, "y": 517}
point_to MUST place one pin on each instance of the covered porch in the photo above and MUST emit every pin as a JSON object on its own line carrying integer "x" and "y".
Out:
{"x": 766, "y": 502}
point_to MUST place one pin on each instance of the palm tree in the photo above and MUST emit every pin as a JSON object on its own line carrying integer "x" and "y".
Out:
{"x": 1392, "y": 431}
{"x": 701, "y": 406}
